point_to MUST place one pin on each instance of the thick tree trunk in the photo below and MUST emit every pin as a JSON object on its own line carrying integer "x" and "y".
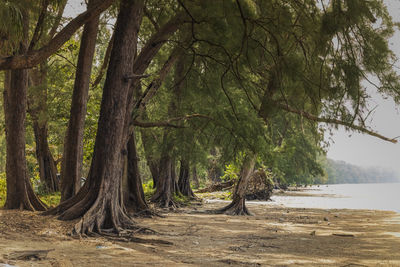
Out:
{"x": 166, "y": 184}
{"x": 238, "y": 207}
{"x": 37, "y": 108}
{"x": 133, "y": 190}
{"x": 184, "y": 181}
{"x": 20, "y": 194}
{"x": 100, "y": 204}
{"x": 71, "y": 167}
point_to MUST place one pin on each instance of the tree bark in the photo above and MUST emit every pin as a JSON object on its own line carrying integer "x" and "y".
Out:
{"x": 166, "y": 182}
{"x": 238, "y": 207}
{"x": 151, "y": 160}
{"x": 195, "y": 177}
{"x": 100, "y": 204}
{"x": 71, "y": 167}
{"x": 184, "y": 179}
{"x": 47, "y": 165}
{"x": 20, "y": 193}
{"x": 133, "y": 190}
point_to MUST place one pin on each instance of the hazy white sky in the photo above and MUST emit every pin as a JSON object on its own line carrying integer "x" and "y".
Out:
{"x": 365, "y": 150}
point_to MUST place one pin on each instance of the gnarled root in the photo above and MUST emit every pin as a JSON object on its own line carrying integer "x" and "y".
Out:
{"x": 236, "y": 207}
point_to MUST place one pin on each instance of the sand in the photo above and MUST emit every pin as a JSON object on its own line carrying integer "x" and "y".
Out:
{"x": 274, "y": 236}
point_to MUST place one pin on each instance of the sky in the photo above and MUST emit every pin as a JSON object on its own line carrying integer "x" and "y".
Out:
{"x": 364, "y": 150}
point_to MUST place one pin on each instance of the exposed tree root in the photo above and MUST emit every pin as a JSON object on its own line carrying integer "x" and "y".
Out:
{"x": 165, "y": 202}
{"x": 148, "y": 213}
{"x": 237, "y": 207}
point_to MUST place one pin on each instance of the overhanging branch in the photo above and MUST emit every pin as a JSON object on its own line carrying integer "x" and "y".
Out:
{"x": 168, "y": 123}
{"x": 32, "y": 58}
{"x": 334, "y": 121}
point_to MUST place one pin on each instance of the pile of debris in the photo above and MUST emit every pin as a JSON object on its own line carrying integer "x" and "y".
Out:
{"x": 260, "y": 186}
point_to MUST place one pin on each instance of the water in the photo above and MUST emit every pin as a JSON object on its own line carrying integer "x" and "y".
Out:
{"x": 346, "y": 196}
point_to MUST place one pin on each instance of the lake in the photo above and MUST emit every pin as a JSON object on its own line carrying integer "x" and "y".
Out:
{"x": 345, "y": 196}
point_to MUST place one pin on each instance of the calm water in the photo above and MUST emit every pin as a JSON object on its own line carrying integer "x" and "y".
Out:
{"x": 346, "y": 196}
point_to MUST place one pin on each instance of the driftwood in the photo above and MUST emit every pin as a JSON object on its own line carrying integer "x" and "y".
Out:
{"x": 217, "y": 187}
{"x": 343, "y": 235}
{"x": 27, "y": 255}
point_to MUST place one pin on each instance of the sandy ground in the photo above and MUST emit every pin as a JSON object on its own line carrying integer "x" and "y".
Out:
{"x": 274, "y": 236}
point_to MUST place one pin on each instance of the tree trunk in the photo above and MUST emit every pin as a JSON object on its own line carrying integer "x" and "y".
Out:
{"x": 184, "y": 181}
{"x": 47, "y": 165}
{"x": 20, "y": 193}
{"x": 238, "y": 207}
{"x": 195, "y": 177}
{"x": 100, "y": 202}
{"x": 166, "y": 183}
{"x": 149, "y": 155}
{"x": 37, "y": 108}
{"x": 71, "y": 167}
{"x": 133, "y": 190}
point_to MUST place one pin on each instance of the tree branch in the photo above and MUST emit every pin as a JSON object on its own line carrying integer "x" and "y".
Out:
{"x": 104, "y": 66}
{"x": 32, "y": 58}
{"x": 153, "y": 87}
{"x": 167, "y": 123}
{"x": 334, "y": 121}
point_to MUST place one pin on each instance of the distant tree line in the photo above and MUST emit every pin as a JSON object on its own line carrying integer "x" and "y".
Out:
{"x": 340, "y": 172}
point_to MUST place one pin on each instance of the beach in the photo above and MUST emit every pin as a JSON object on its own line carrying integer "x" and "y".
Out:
{"x": 191, "y": 236}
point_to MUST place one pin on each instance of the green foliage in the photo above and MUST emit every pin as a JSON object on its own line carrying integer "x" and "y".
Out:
{"x": 181, "y": 199}
{"x": 148, "y": 189}
{"x": 231, "y": 173}
{"x": 226, "y": 195}
{"x": 3, "y": 189}
{"x": 51, "y": 200}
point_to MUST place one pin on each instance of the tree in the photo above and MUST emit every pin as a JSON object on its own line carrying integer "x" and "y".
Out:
{"x": 20, "y": 194}
{"x": 71, "y": 167}
{"x": 132, "y": 182}
{"x": 38, "y": 111}
{"x": 37, "y": 95}
{"x": 237, "y": 206}
{"x": 99, "y": 200}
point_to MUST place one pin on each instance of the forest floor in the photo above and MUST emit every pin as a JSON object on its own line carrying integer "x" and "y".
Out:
{"x": 274, "y": 236}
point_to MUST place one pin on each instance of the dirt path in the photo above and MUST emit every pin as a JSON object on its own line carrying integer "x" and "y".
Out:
{"x": 275, "y": 236}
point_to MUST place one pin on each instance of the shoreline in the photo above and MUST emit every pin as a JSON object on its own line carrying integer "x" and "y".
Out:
{"x": 274, "y": 236}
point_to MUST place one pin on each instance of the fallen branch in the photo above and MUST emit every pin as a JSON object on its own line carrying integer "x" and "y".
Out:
{"x": 29, "y": 255}
{"x": 217, "y": 187}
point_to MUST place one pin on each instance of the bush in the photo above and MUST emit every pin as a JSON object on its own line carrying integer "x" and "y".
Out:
{"x": 148, "y": 189}
{"x": 3, "y": 189}
{"x": 231, "y": 173}
{"x": 51, "y": 200}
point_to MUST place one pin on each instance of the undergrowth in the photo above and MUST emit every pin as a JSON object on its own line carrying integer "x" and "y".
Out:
{"x": 50, "y": 199}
